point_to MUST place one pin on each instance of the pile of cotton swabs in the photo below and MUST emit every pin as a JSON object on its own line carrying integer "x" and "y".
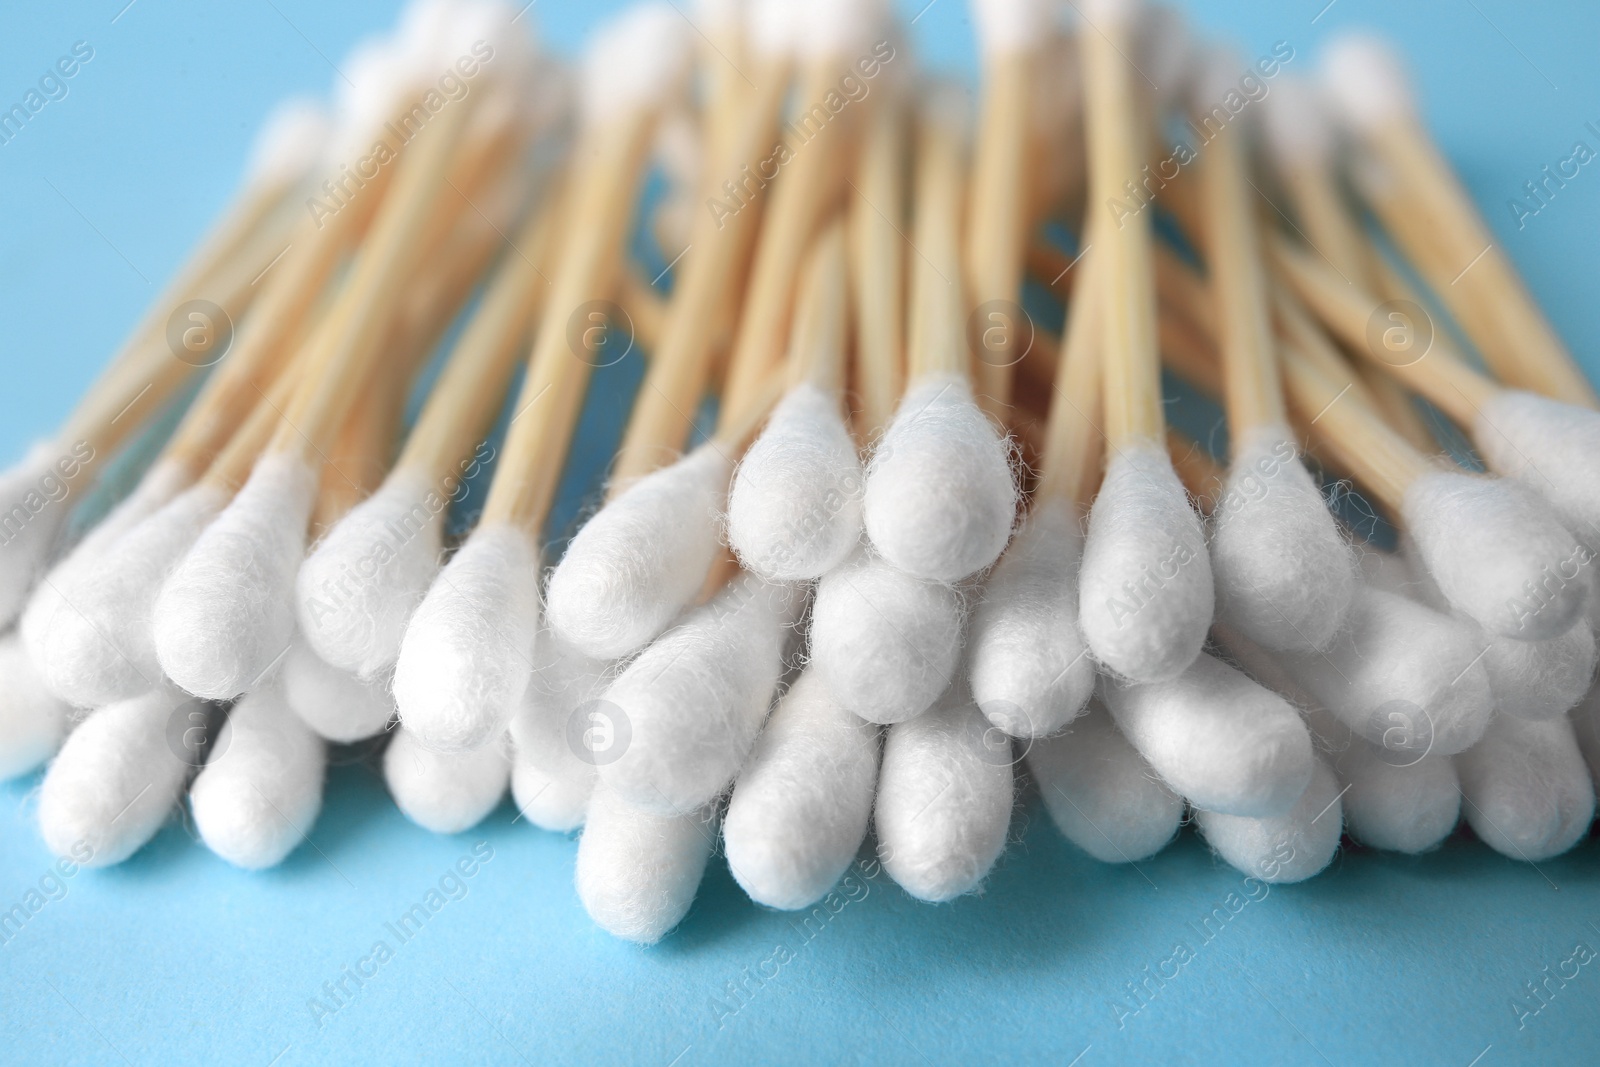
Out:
{"x": 876, "y": 546}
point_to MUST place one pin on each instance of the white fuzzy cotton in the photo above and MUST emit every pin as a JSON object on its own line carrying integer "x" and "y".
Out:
{"x": 1365, "y": 81}
{"x": 836, "y": 30}
{"x": 1284, "y": 848}
{"x": 694, "y": 701}
{"x": 336, "y": 704}
{"x": 940, "y": 495}
{"x": 1394, "y": 801}
{"x": 1030, "y": 670}
{"x": 1498, "y": 554}
{"x": 225, "y": 614}
{"x": 357, "y": 589}
{"x": 1101, "y": 793}
{"x": 33, "y": 721}
{"x": 1550, "y": 447}
{"x": 637, "y": 871}
{"x": 1540, "y": 679}
{"x": 96, "y": 646}
{"x": 1284, "y": 573}
{"x": 634, "y": 60}
{"x": 800, "y": 808}
{"x": 944, "y": 800}
{"x": 290, "y": 142}
{"x": 161, "y": 483}
{"x": 468, "y": 651}
{"x": 33, "y": 510}
{"x": 1528, "y": 792}
{"x": 561, "y": 734}
{"x": 1298, "y": 133}
{"x": 635, "y": 565}
{"x": 446, "y": 792}
{"x": 261, "y": 789}
{"x": 794, "y": 512}
{"x": 1585, "y": 721}
{"x": 114, "y": 781}
{"x": 1145, "y": 593}
{"x": 1009, "y": 26}
{"x": 887, "y": 644}
{"x": 1403, "y": 676}
{"x": 1217, "y": 738}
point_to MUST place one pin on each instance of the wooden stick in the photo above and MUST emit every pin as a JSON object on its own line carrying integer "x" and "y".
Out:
{"x": 877, "y": 262}
{"x": 1425, "y": 206}
{"x": 1132, "y": 372}
{"x": 1201, "y": 475}
{"x": 1441, "y": 374}
{"x": 1074, "y": 443}
{"x": 1252, "y": 386}
{"x": 937, "y": 340}
{"x": 997, "y": 202}
{"x": 348, "y": 352}
{"x": 611, "y": 162}
{"x": 822, "y": 315}
{"x": 804, "y": 192}
{"x": 470, "y": 390}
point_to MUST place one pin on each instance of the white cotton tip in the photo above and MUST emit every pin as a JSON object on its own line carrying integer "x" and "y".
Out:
{"x": 1585, "y": 721}
{"x": 1010, "y": 26}
{"x": 1145, "y": 593}
{"x": 1549, "y": 447}
{"x": 794, "y": 512}
{"x": 694, "y": 701}
{"x": 634, "y": 61}
{"x": 800, "y": 808}
{"x": 1298, "y": 132}
{"x": 940, "y": 496}
{"x": 445, "y": 792}
{"x": 837, "y": 29}
{"x": 226, "y": 614}
{"x": 34, "y": 505}
{"x": 1497, "y": 553}
{"x": 561, "y": 734}
{"x": 481, "y": 23}
{"x": 772, "y": 27}
{"x": 1284, "y": 848}
{"x": 1030, "y": 670}
{"x": 1365, "y": 81}
{"x": 1528, "y": 790}
{"x": 887, "y": 644}
{"x": 1167, "y": 52}
{"x": 635, "y": 565}
{"x": 33, "y": 721}
{"x": 1393, "y": 801}
{"x": 291, "y": 142}
{"x": 377, "y": 72}
{"x": 357, "y": 589}
{"x": 1403, "y": 676}
{"x": 1217, "y": 738}
{"x": 1101, "y": 793}
{"x": 1541, "y": 679}
{"x": 335, "y": 704}
{"x": 1284, "y": 573}
{"x": 115, "y": 780}
{"x": 97, "y": 647}
{"x": 261, "y": 789}
{"x": 468, "y": 651}
{"x": 638, "y": 871}
{"x": 944, "y": 800}
{"x": 1391, "y": 572}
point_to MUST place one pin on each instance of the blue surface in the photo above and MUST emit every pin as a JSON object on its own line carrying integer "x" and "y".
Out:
{"x": 175, "y": 957}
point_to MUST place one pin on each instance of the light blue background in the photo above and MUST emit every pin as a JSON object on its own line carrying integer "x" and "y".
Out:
{"x": 176, "y": 957}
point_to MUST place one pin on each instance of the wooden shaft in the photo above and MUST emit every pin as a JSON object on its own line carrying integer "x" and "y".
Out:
{"x": 1201, "y": 475}
{"x": 1073, "y": 448}
{"x": 1362, "y": 443}
{"x": 611, "y": 163}
{"x": 1440, "y": 375}
{"x": 471, "y": 388}
{"x": 645, "y": 307}
{"x": 1252, "y": 386}
{"x": 936, "y": 337}
{"x": 234, "y": 461}
{"x": 1132, "y": 372}
{"x": 1440, "y": 228}
{"x": 348, "y": 354}
{"x": 822, "y": 315}
{"x": 997, "y": 202}
{"x": 719, "y": 248}
{"x": 877, "y": 211}
{"x": 805, "y": 190}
